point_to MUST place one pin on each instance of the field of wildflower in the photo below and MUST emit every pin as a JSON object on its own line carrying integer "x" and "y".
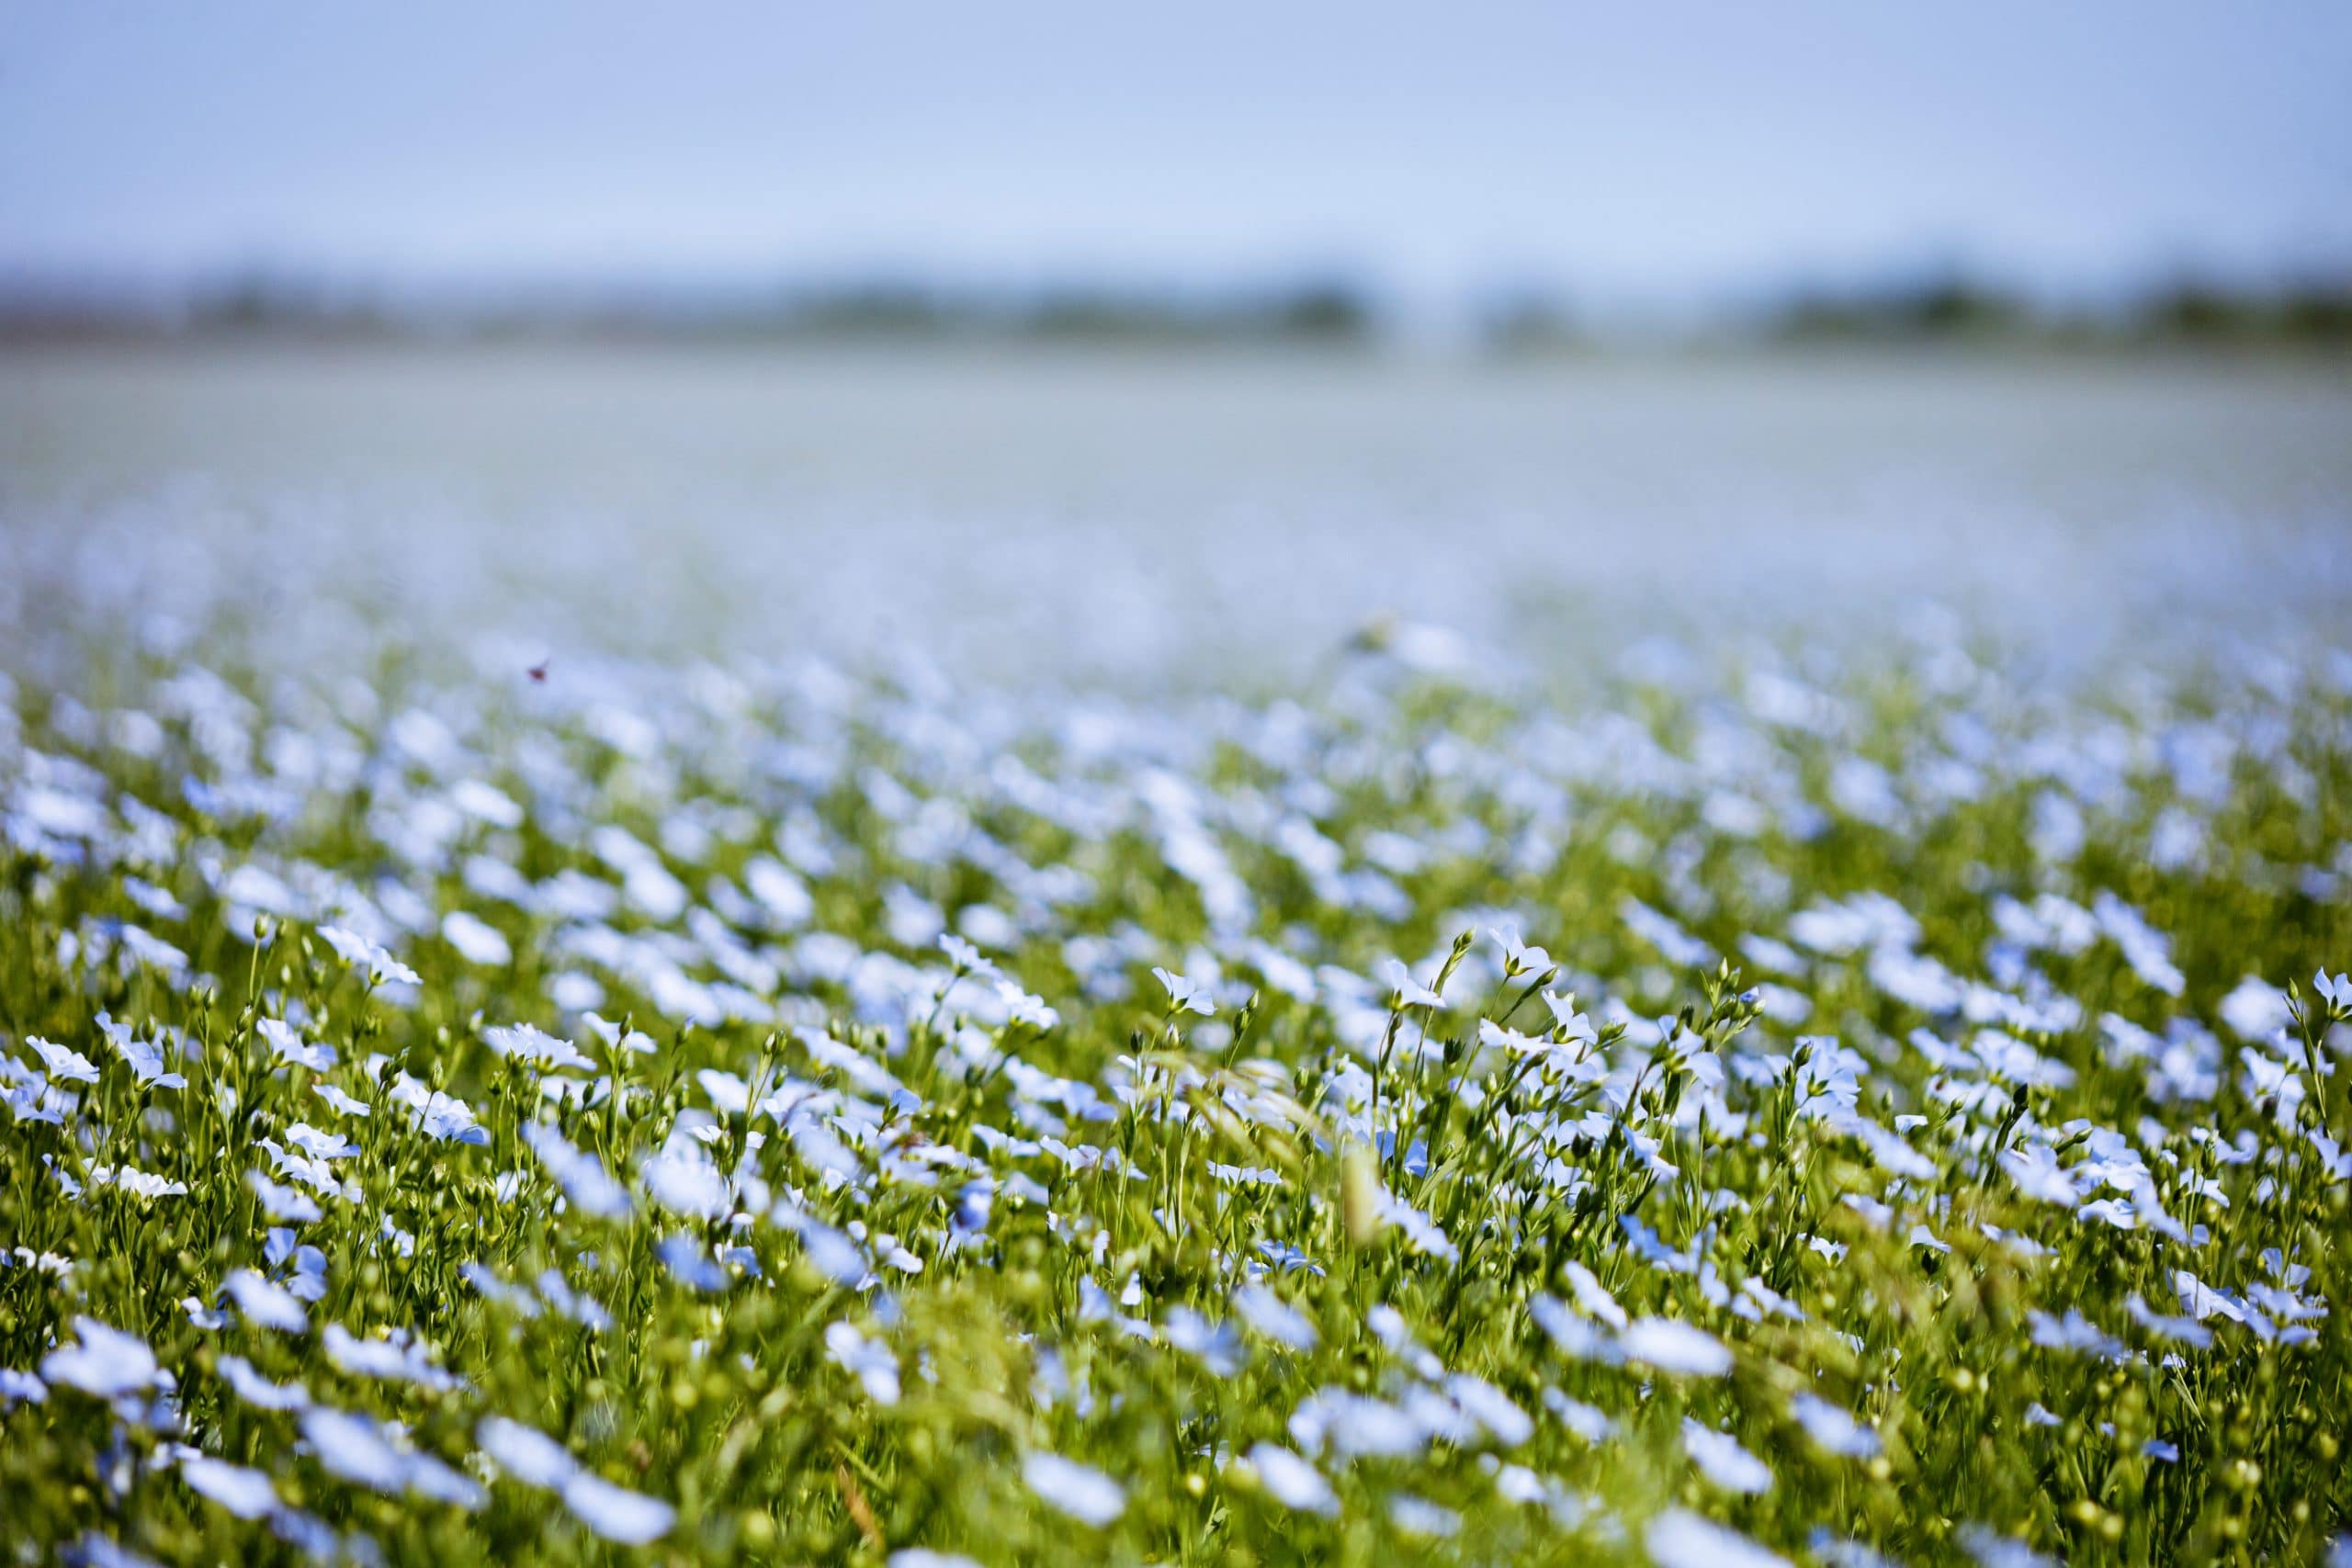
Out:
{"x": 773, "y": 1114}
{"x": 1791, "y": 1103}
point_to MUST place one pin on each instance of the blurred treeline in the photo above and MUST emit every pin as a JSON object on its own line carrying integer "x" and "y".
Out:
{"x": 1334, "y": 313}
{"x": 1316, "y": 312}
{"x": 1956, "y": 310}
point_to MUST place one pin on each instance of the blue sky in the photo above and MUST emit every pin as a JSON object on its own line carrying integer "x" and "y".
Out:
{"x": 1661, "y": 154}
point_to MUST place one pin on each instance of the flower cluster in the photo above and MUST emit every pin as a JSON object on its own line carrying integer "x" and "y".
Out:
{"x": 1882, "y": 1115}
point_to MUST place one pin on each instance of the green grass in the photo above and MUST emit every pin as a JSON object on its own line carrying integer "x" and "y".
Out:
{"x": 1890, "y": 992}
